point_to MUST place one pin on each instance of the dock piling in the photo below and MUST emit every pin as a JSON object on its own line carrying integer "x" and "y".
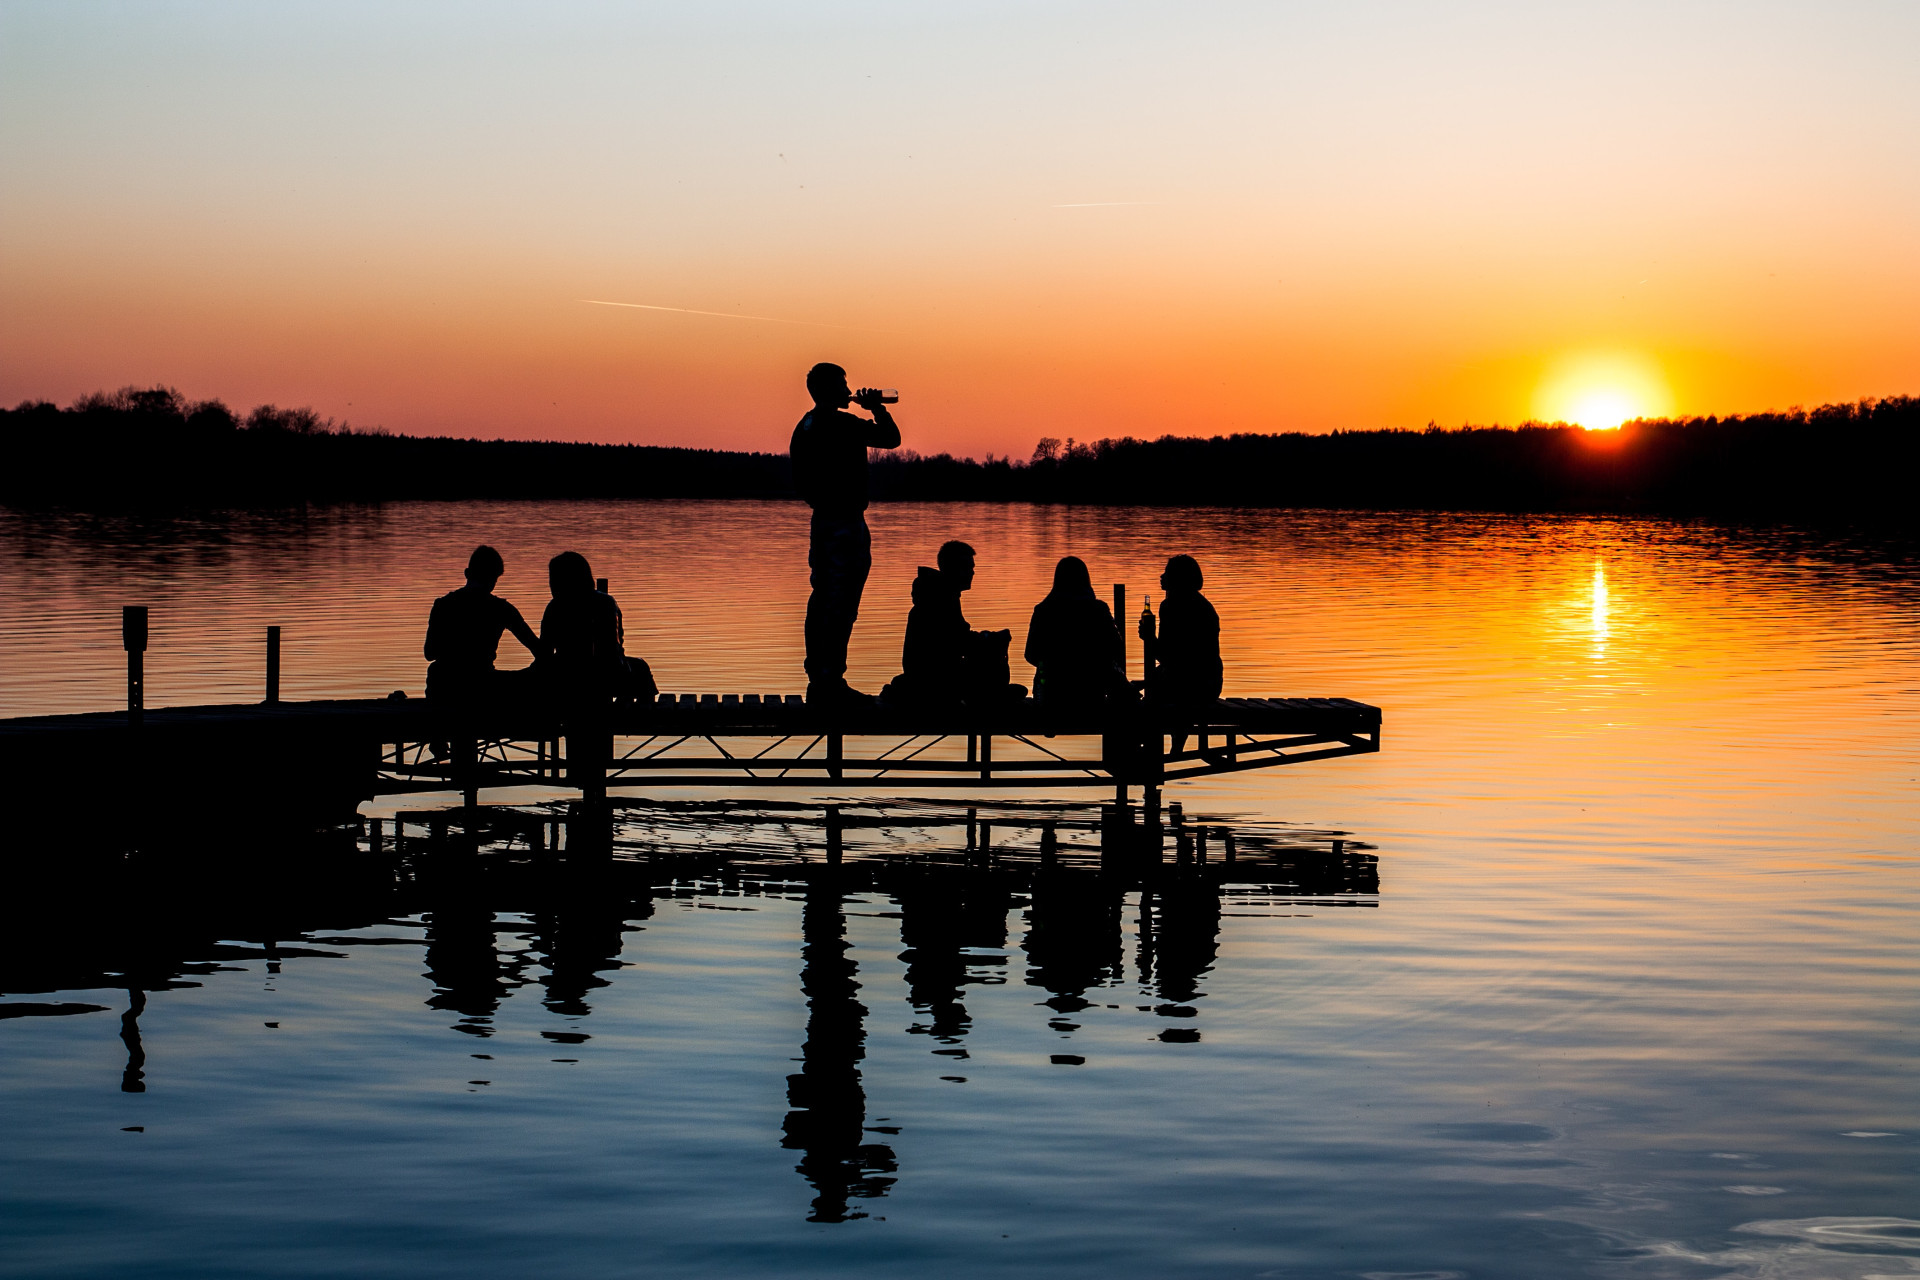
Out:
{"x": 273, "y": 665}
{"x": 133, "y": 637}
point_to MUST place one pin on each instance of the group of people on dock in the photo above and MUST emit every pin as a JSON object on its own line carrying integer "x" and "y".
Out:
{"x": 1074, "y": 642}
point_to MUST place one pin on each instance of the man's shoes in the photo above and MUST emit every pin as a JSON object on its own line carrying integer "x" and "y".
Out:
{"x": 838, "y": 695}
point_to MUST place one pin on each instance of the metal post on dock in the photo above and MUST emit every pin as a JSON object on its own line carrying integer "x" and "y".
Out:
{"x": 273, "y": 664}
{"x": 133, "y": 637}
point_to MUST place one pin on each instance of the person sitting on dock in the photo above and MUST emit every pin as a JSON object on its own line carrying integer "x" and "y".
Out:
{"x": 585, "y": 637}
{"x": 586, "y": 667}
{"x": 463, "y": 634}
{"x": 1183, "y": 659}
{"x": 947, "y": 664}
{"x": 1074, "y": 645}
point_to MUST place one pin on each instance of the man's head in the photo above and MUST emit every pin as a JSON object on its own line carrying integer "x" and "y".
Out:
{"x": 956, "y": 561}
{"x": 827, "y": 384}
{"x": 484, "y": 567}
{"x": 1181, "y": 574}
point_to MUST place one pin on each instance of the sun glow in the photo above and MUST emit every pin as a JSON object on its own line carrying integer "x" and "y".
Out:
{"x": 1601, "y": 390}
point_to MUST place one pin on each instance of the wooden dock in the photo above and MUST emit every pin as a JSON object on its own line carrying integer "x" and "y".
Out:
{"x": 319, "y": 760}
{"x": 301, "y": 763}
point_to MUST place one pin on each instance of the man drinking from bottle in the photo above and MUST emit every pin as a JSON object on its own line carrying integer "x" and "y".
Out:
{"x": 829, "y": 453}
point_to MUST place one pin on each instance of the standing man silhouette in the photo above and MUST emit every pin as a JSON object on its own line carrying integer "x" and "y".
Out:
{"x": 829, "y": 453}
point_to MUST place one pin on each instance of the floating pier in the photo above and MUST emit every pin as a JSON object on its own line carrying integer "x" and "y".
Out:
{"x": 318, "y": 761}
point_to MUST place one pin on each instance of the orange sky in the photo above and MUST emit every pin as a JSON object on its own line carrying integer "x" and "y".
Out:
{"x": 1056, "y": 219}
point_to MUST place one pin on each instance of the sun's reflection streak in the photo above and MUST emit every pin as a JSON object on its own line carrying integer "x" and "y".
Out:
{"x": 1601, "y": 626}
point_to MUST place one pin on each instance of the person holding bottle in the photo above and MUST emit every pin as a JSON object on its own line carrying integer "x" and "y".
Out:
{"x": 829, "y": 455}
{"x": 1182, "y": 655}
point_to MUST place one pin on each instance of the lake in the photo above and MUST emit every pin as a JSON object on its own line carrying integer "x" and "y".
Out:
{"x": 1614, "y": 974}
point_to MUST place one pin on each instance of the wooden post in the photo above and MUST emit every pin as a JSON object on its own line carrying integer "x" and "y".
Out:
{"x": 1120, "y": 621}
{"x": 833, "y": 755}
{"x": 133, "y": 638}
{"x": 273, "y": 664}
{"x": 986, "y": 757}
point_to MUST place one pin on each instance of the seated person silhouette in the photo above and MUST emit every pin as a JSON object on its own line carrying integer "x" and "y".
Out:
{"x": 947, "y": 664}
{"x": 586, "y": 667}
{"x": 463, "y": 636}
{"x": 1074, "y": 645}
{"x": 1183, "y": 659}
{"x": 585, "y": 637}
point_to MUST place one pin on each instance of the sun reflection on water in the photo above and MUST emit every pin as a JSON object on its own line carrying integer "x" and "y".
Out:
{"x": 1602, "y": 630}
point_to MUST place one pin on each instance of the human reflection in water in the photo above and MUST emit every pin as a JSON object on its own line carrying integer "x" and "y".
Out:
{"x": 829, "y": 1107}
{"x": 581, "y": 934}
{"x": 464, "y": 965}
{"x": 1179, "y": 941}
{"x": 1073, "y": 939}
{"x": 938, "y": 920}
{"x": 134, "y": 1078}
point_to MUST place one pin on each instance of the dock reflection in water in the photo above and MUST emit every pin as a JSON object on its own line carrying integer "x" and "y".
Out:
{"x": 507, "y": 899}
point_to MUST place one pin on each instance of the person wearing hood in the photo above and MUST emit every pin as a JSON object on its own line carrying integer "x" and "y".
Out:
{"x": 945, "y": 661}
{"x": 1074, "y": 645}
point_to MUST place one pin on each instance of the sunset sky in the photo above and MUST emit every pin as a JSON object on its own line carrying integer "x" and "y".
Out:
{"x": 1067, "y": 219}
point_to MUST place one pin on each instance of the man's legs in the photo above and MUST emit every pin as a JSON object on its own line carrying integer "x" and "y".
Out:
{"x": 840, "y": 555}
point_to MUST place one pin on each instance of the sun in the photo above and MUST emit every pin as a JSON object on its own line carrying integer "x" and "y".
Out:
{"x": 1600, "y": 390}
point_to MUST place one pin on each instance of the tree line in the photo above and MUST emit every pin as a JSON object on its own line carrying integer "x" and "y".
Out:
{"x": 152, "y": 447}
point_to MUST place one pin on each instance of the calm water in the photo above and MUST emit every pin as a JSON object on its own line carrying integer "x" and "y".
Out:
{"x": 1633, "y": 993}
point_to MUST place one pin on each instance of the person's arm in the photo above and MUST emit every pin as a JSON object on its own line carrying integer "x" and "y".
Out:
{"x": 1033, "y": 650}
{"x": 883, "y": 432}
{"x": 1110, "y": 637}
{"x": 522, "y": 632}
{"x": 433, "y": 645}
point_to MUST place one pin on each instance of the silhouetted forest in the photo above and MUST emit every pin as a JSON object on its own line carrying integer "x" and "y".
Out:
{"x": 151, "y": 447}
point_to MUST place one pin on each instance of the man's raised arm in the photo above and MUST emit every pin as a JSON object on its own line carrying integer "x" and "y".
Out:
{"x": 886, "y": 432}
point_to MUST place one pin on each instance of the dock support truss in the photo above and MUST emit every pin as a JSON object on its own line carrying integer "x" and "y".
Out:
{"x": 680, "y": 751}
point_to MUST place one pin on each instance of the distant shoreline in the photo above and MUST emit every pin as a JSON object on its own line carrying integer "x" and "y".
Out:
{"x": 151, "y": 449}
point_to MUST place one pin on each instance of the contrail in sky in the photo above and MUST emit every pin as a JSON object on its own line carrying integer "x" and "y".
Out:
{"x": 724, "y": 315}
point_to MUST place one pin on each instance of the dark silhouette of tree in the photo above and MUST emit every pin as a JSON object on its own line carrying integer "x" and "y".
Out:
{"x": 153, "y": 447}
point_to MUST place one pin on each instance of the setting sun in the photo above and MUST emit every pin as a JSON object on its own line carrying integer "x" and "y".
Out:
{"x": 1599, "y": 391}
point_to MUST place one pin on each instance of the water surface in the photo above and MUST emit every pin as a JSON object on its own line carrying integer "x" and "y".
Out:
{"x": 1632, "y": 993}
